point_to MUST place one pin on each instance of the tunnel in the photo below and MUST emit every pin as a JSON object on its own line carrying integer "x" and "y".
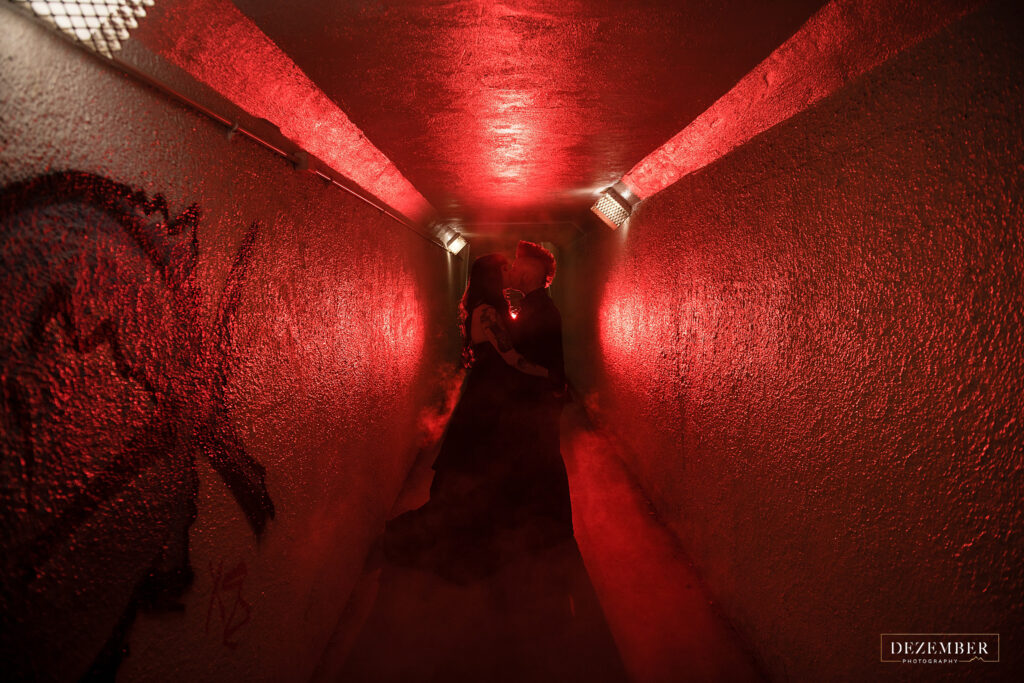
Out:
{"x": 785, "y": 247}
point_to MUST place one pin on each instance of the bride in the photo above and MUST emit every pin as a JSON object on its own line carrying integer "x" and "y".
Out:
{"x": 455, "y": 534}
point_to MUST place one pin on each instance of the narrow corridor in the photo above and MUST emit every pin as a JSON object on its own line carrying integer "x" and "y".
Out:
{"x": 255, "y": 253}
{"x": 541, "y": 618}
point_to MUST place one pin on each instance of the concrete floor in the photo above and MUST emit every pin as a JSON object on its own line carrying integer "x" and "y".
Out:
{"x": 620, "y": 603}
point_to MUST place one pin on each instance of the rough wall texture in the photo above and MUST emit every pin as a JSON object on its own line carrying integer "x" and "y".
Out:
{"x": 813, "y": 349}
{"x": 212, "y": 371}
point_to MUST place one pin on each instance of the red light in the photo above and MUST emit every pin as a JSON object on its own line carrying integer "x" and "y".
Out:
{"x": 845, "y": 39}
{"x": 214, "y": 42}
{"x": 513, "y": 154}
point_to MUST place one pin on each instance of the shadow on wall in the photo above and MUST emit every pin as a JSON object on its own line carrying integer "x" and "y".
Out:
{"x": 111, "y": 387}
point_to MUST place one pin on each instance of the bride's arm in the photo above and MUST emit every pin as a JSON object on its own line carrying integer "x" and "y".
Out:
{"x": 502, "y": 341}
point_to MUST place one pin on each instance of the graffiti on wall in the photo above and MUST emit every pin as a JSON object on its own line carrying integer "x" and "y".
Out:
{"x": 228, "y": 611}
{"x": 112, "y": 383}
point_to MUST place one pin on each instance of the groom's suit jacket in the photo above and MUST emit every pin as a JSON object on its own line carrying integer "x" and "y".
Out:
{"x": 537, "y": 335}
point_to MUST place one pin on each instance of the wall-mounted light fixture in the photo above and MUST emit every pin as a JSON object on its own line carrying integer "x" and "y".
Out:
{"x": 615, "y": 205}
{"x": 449, "y": 237}
{"x": 100, "y": 25}
{"x": 456, "y": 244}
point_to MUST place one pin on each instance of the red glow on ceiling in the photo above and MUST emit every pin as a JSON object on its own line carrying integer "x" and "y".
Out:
{"x": 214, "y": 42}
{"x": 521, "y": 111}
{"x": 512, "y": 152}
{"x": 845, "y": 39}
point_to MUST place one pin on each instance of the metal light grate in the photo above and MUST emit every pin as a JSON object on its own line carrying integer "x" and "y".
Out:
{"x": 456, "y": 244}
{"x": 449, "y": 237}
{"x": 611, "y": 211}
{"x": 616, "y": 204}
{"x": 101, "y": 25}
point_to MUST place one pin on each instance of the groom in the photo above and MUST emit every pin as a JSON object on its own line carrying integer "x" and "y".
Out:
{"x": 537, "y": 335}
{"x": 537, "y": 329}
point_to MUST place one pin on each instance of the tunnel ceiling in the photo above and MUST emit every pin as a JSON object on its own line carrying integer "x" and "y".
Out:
{"x": 519, "y": 111}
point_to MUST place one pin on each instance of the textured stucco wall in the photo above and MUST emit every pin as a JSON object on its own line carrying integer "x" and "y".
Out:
{"x": 813, "y": 350}
{"x": 265, "y": 379}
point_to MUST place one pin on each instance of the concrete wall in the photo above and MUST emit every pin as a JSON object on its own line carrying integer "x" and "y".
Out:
{"x": 210, "y": 400}
{"x": 813, "y": 350}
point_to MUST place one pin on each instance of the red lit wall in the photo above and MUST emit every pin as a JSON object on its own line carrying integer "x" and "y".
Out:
{"x": 813, "y": 350}
{"x": 214, "y": 368}
{"x": 218, "y": 45}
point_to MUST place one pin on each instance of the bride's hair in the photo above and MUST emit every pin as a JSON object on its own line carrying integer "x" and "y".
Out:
{"x": 485, "y": 286}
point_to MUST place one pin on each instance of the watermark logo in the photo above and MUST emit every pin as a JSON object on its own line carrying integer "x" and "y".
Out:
{"x": 940, "y": 648}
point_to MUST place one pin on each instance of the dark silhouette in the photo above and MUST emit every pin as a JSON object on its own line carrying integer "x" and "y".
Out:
{"x": 505, "y": 595}
{"x": 540, "y": 479}
{"x": 499, "y": 485}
